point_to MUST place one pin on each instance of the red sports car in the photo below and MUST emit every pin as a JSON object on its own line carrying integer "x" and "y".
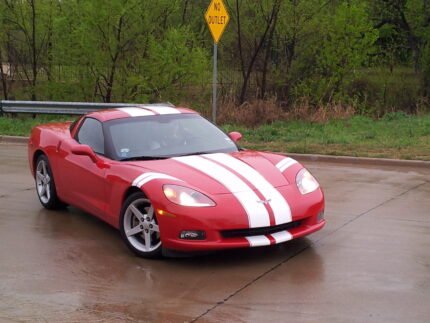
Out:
{"x": 168, "y": 179}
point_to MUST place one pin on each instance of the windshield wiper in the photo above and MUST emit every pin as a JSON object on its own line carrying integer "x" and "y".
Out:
{"x": 143, "y": 158}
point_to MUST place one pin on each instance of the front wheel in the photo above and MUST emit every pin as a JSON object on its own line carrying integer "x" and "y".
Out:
{"x": 45, "y": 185}
{"x": 139, "y": 227}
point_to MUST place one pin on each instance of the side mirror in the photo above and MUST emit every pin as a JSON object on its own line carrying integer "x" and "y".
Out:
{"x": 85, "y": 150}
{"x": 235, "y": 136}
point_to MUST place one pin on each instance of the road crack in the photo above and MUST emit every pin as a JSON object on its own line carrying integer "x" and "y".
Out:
{"x": 301, "y": 250}
{"x": 17, "y": 191}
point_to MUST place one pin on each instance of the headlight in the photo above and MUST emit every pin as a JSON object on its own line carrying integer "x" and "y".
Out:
{"x": 186, "y": 196}
{"x": 306, "y": 182}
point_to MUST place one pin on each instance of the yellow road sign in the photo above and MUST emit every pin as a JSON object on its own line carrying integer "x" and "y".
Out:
{"x": 217, "y": 19}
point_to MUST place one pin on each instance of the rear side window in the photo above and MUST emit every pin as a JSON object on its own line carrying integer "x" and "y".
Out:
{"x": 73, "y": 124}
{"x": 91, "y": 134}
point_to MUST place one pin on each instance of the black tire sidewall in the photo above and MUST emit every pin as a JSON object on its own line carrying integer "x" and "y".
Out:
{"x": 54, "y": 202}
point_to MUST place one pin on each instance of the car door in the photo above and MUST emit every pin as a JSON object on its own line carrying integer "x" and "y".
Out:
{"x": 83, "y": 180}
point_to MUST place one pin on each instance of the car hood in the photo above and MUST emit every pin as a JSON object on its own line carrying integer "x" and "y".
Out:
{"x": 219, "y": 173}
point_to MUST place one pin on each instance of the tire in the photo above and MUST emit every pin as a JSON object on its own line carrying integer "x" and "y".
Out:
{"x": 139, "y": 226}
{"x": 45, "y": 185}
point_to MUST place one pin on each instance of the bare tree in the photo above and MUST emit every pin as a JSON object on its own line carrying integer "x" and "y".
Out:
{"x": 3, "y": 76}
{"x": 247, "y": 64}
{"x": 29, "y": 43}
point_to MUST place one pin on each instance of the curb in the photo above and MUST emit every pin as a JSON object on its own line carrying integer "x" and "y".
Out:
{"x": 13, "y": 139}
{"x": 360, "y": 160}
{"x": 303, "y": 157}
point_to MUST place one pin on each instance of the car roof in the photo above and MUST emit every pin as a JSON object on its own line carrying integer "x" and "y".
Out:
{"x": 138, "y": 111}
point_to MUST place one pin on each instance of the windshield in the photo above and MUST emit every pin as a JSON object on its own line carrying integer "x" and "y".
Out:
{"x": 164, "y": 136}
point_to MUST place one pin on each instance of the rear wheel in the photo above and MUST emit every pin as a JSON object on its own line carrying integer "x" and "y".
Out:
{"x": 139, "y": 226}
{"x": 45, "y": 185}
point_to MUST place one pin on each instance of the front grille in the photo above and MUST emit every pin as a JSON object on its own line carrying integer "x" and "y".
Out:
{"x": 259, "y": 231}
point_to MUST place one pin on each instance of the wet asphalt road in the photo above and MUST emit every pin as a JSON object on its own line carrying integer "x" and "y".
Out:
{"x": 371, "y": 263}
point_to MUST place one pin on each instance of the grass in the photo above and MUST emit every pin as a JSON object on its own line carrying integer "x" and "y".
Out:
{"x": 21, "y": 125}
{"x": 394, "y": 136}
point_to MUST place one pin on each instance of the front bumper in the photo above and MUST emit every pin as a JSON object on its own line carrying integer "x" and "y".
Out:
{"x": 219, "y": 222}
{"x": 242, "y": 242}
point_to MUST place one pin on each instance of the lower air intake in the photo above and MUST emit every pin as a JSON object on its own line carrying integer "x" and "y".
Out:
{"x": 259, "y": 231}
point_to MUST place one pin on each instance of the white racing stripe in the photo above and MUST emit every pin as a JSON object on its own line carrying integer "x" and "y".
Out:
{"x": 285, "y": 163}
{"x": 136, "y": 112}
{"x": 281, "y": 236}
{"x": 257, "y": 212}
{"x": 258, "y": 241}
{"x": 277, "y": 202}
{"x": 146, "y": 177}
{"x": 162, "y": 109}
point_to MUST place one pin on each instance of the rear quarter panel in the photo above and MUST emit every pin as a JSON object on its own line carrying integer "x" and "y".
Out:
{"x": 45, "y": 139}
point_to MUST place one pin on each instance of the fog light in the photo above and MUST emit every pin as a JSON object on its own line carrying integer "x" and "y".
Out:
{"x": 193, "y": 235}
{"x": 320, "y": 216}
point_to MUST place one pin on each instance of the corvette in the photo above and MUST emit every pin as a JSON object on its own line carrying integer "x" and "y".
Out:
{"x": 168, "y": 179}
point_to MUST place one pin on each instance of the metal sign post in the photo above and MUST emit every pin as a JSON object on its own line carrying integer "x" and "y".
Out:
{"x": 217, "y": 19}
{"x": 214, "y": 83}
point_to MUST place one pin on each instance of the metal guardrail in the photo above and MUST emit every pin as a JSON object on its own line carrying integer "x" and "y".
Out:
{"x": 67, "y": 108}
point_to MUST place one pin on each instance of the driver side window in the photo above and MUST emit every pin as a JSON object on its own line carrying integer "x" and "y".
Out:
{"x": 91, "y": 134}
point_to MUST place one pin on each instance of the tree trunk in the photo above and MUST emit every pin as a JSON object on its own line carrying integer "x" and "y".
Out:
{"x": 184, "y": 12}
{"x": 49, "y": 53}
{"x": 109, "y": 85}
{"x": 3, "y": 77}
{"x": 268, "y": 52}
{"x": 413, "y": 40}
{"x": 247, "y": 73}
{"x": 239, "y": 39}
{"x": 33, "y": 50}
{"x": 111, "y": 78}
